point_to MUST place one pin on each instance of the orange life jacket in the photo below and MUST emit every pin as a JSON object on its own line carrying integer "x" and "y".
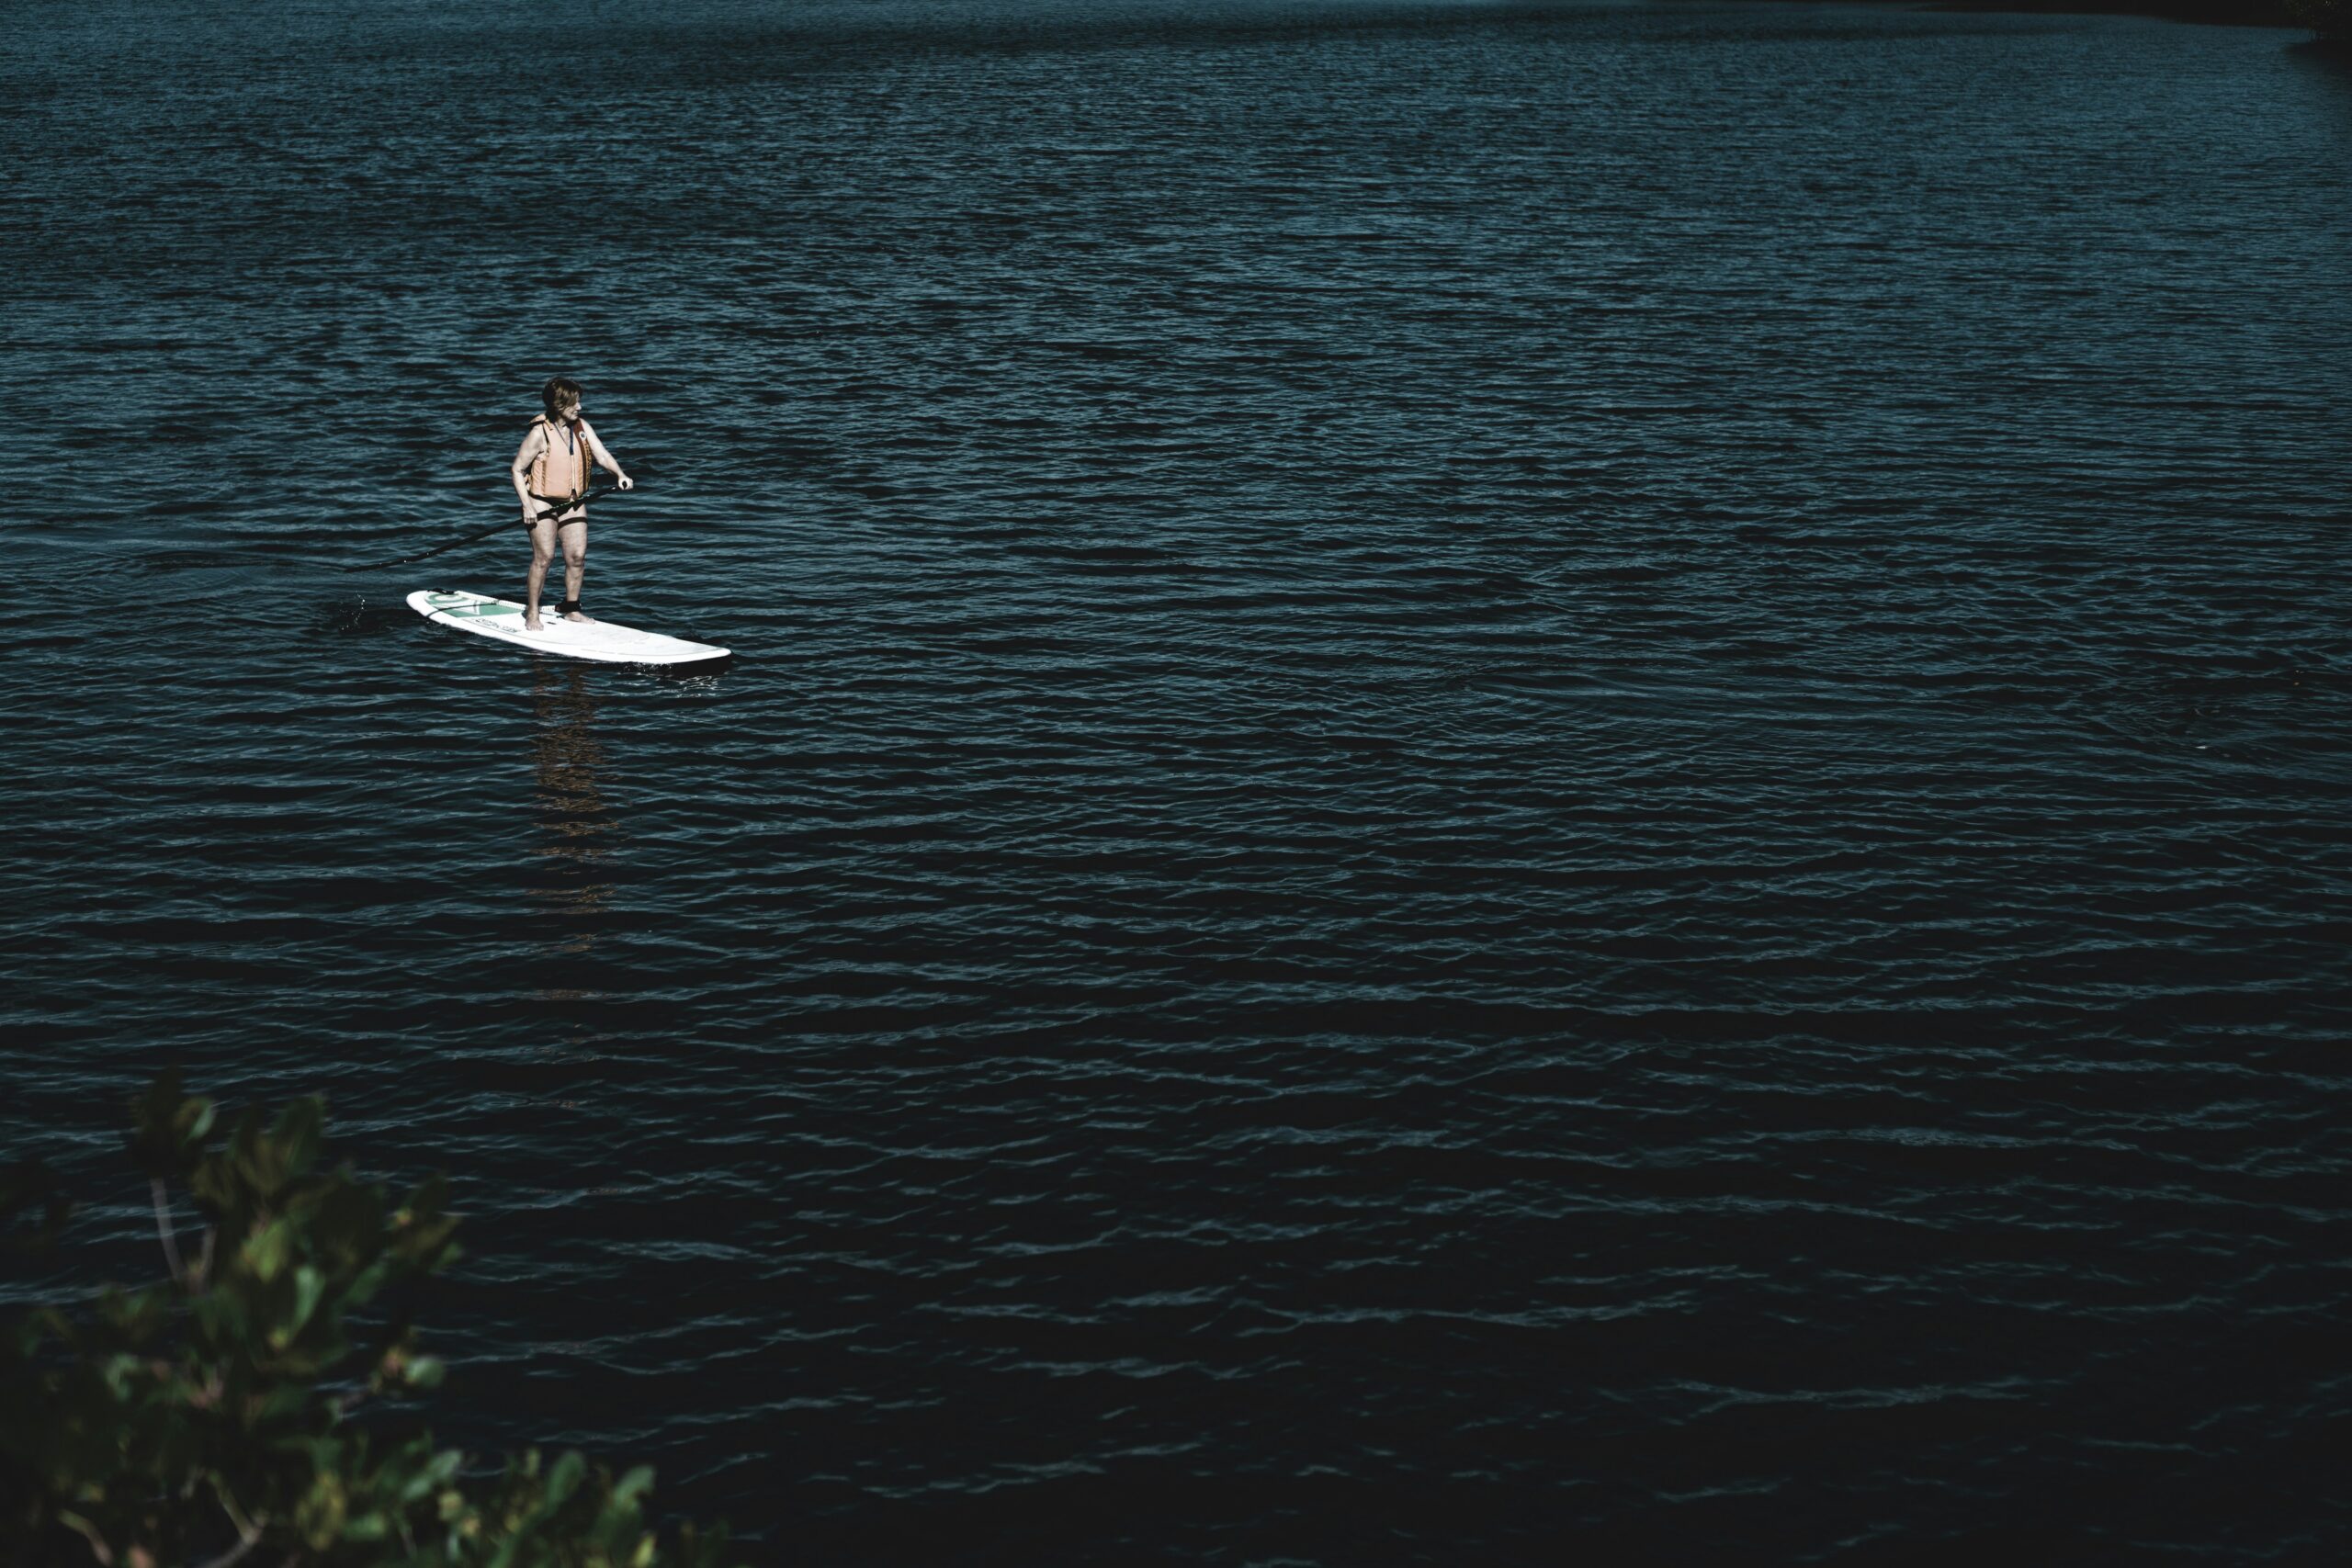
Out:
{"x": 561, "y": 469}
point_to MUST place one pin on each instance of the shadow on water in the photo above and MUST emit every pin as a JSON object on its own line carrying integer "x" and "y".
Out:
{"x": 818, "y": 39}
{"x": 2327, "y": 60}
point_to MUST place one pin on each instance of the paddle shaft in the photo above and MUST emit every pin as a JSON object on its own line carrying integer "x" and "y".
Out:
{"x": 493, "y": 528}
{"x": 584, "y": 497}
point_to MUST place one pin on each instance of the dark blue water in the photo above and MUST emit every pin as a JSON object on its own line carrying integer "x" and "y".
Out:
{"x": 1503, "y": 780}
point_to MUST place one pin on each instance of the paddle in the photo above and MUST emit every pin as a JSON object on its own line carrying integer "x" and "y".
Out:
{"x": 486, "y": 533}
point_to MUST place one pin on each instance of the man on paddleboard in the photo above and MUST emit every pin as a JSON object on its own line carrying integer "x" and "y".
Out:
{"x": 552, "y": 467}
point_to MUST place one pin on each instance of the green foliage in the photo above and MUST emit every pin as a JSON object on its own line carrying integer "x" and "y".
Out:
{"x": 2329, "y": 19}
{"x": 210, "y": 1417}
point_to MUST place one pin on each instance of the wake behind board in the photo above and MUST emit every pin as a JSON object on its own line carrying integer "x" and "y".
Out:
{"x": 601, "y": 640}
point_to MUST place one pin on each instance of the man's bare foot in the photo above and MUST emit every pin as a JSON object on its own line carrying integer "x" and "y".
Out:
{"x": 574, "y": 615}
{"x": 531, "y": 624}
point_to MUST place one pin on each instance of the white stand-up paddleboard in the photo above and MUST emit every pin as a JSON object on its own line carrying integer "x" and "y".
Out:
{"x": 600, "y": 640}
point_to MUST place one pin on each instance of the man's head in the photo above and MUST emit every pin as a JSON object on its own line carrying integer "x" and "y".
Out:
{"x": 562, "y": 395}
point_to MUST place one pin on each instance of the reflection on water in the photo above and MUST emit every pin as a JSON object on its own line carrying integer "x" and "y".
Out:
{"x": 575, "y": 824}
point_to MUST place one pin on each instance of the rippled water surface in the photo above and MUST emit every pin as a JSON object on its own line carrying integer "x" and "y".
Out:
{"x": 1501, "y": 779}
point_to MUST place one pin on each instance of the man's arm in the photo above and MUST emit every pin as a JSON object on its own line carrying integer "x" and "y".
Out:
{"x": 528, "y": 453}
{"x": 611, "y": 464}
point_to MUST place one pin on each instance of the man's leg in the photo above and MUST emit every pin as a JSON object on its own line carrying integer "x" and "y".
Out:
{"x": 575, "y": 564}
{"x": 542, "y": 553}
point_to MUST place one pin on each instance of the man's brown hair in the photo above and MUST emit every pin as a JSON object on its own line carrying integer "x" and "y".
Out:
{"x": 559, "y": 391}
